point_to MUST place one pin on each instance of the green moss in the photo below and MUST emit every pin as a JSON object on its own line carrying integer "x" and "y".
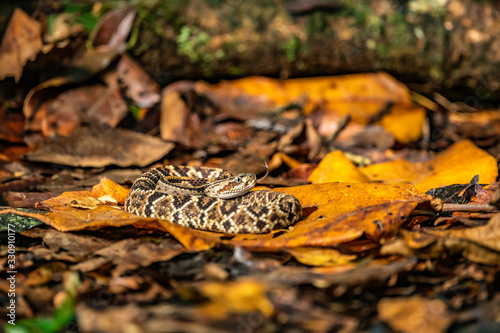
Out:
{"x": 235, "y": 71}
{"x": 431, "y": 7}
{"x": 192, "y": 43}
{"x": 291, "y": 47}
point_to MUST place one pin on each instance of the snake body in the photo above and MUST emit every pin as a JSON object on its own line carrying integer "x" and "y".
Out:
{"x": 184, "y": 195}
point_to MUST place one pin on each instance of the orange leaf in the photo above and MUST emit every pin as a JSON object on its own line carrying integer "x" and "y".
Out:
{"x": 456, "y": 165}
{"x": 335, "y": 167}
{"x": 320, "y": 257}
{"x": 414, "y": 314}
{"x": 66, "y": 215}
{"x": 405, "y": 124}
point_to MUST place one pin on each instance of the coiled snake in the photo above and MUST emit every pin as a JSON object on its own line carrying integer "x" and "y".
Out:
{"x": 210, "y": 199}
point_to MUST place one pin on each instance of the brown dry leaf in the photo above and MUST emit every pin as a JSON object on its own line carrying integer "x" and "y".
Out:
{"x": 11, "y": 126}
{"x": 335, "y": 167}
{"x": 456, "y": 165}
{"x": 22, "y": 41}
{"x": 135, "y": 82}
{"x": 133, "y": 253}
{"x": 344, "y": 274}
{"x": 472, "y": 250}
{"x": 343, "y": 197}
{"x": 487, "y": 236}
{"x": 481, "y": 124}
{"x": 86, "y": 147}
{"x": 415, "y": 314}
{"x": 109, "y": 43}
{"x": 242, "y": 296}
{"x": 279, "y": 158}
{"x": 320, "y": 256}
{"x": 94, "y": 104}
{"x": 46, "y": 273}
{"x": 79, "y": 246}
{"x": 178, "y": 123}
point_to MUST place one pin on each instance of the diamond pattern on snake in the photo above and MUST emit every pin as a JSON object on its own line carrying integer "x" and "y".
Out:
{"x": 211, "y": 199}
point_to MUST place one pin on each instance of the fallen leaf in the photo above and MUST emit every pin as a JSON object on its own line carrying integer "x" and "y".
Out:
{"x": 242, "y": 296}
{"x": 21, "y": 43}
{"x": 87, "y": 147}
{"x": 415, "y": 314}
{"x": 320, "y": 256}
{"x": 405, "y": 124}
{"x": 335, "y": 167}
{"x": 456, "y": 165}
{"x": 11, "y": 126}
{"x": 486, "y": 236}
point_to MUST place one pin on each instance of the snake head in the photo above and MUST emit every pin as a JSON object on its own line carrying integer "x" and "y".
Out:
{"x": 231, "y": 187}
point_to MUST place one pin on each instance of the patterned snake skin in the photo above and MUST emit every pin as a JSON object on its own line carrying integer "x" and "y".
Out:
{"x": 252, "y": 213}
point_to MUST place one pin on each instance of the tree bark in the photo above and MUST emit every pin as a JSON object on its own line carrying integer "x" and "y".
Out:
{"x": 454, "y": 43}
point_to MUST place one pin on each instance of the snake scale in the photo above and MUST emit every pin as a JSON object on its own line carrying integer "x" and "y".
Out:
{"x": 185, "y": 195}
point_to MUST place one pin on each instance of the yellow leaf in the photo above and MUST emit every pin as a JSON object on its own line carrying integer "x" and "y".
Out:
{"x": 397, "y": 171}
{"x": 414, "y": 314}
{"x": 335, "y": 167}
{"x": 405, "y": 124}
{"x": 320, "y": 256}
{"x": 242, "y": 296}
{"x": 457, "y": 165}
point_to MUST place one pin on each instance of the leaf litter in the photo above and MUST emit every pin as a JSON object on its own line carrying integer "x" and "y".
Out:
{"x": 399, "y": 230}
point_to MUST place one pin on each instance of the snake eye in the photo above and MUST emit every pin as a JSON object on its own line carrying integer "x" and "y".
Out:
{"x": 238, "y": 179}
